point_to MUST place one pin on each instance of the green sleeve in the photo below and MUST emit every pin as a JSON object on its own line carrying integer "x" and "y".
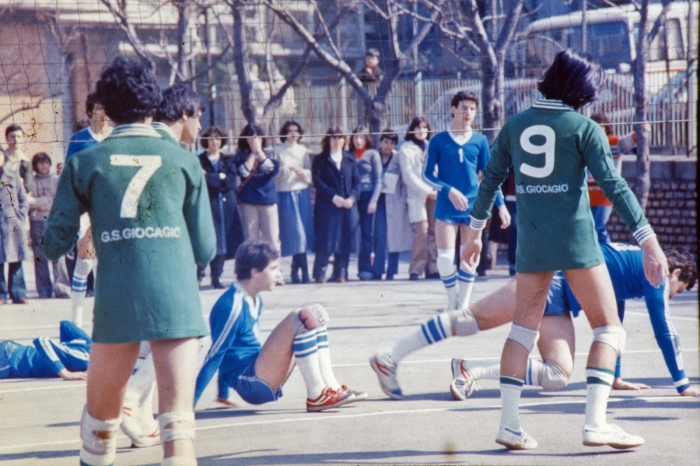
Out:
{"x": 495, "y": 173}
{"x": 63, "y": 223}
{"x": 596, "y": 152}
{"x": 197, "y": 212}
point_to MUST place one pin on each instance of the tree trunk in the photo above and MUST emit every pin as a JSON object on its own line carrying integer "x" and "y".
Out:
{"x": 643, "y": 179}
{"x": 490, "y": 102}
{"x": 240, "y": 62}
{"x": 183, "y": 40}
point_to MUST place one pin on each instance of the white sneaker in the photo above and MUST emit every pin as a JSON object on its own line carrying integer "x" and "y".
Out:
{"x": 385, "y": 369}
{"x": 463, "y": 382}
{"x": 514, "y": 440}
{"x": 611, "y": 435}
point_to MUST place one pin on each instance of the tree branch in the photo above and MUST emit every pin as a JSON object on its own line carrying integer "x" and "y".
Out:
{"x": 125, "y": 25}
{"x": 659, "y": 21}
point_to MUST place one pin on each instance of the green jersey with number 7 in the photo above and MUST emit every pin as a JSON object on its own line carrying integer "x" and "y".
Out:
{"x": 550, "y": 145}
{"x": 151, "y": 222}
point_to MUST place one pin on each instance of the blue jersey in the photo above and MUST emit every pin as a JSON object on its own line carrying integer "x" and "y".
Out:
{"x": 626, "y": 267}
{"x": 47, "y": 357}
{"x": 235, "y": 336}
{"x": 81, "y": 140}
{"x": 458, "y": 166}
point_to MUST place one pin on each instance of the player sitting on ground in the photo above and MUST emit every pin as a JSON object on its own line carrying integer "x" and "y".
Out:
{"x": 67, "y": 358}
{"x": 626, "y": 269}
{"x": 257, "y": 371}
{"x": 556, "y": 332}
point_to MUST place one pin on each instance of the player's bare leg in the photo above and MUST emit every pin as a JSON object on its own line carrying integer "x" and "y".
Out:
{"x": 593, "y": 290}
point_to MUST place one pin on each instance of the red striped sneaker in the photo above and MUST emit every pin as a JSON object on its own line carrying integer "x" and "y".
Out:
{"x": 328, "y": 399}
{"x": 356, "y": 395}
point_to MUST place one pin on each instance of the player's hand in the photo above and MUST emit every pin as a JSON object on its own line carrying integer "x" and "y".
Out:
{"x": 691, "y": 391}
{"x": 619, "y": 384}
{"x": 472, "y": 250}
{"x": 222, "y": 176}
{"x": 432, "y": 196}
{"x": 458, "y": 200}
{"x": 372, "y": 208}
{"x": 504, "y": 215}
{"x": 257, "y": 147}
{"x": 655, "y": 262}
{"x": 65, "y": 374}
{"x": 228, "y": 402}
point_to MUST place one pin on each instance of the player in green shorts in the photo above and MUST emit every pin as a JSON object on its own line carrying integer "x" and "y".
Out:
{"x": 149, "y": 207}
{"x": 550, "y": 146}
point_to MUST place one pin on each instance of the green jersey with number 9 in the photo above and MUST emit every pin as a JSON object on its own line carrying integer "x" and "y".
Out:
{"x": 151, "y": 222}
{"x": 550, "y": 146}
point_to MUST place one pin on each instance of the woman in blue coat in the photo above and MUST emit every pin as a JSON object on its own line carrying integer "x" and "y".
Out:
{"x": 336, "y": 220}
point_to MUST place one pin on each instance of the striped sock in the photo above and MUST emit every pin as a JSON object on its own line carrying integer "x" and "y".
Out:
{"x": 598, "y": 385}
{"x": 432, "y": 331}
{"x": 490, "y": 372}
{"x": 532, "y": 374}
{"x": 450, "y": 282}
{"x": 306, "y": 354}
{"x": 511, "y": 388}
{"x": 79, "y": 288}
{"x": 466, "y": 284}
{"x": 324, "y": 358}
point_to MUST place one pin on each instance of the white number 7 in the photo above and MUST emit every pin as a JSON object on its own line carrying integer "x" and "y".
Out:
{"x": 149, "y": 164}
{"x": 547, "y": 149}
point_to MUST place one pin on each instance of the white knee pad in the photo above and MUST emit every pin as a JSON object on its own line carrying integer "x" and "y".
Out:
{"x": 309, "y": 318}
{"x": 525, "y": 337}
{"x": 611, "y": 335}
{"x": 179, "y": 461}
{"x": 464, "y": 323}
{"x": 553, "y": 377}
{"x": 168, "y": 434}
{"x": 99, "y": 439}
{"x": 446, "y": 262}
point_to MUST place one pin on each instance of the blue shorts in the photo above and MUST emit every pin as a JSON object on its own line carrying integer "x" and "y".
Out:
{"x": 455, "y": 220}
{"x": 253, "y": 390}
{"x": 560, "y": 299}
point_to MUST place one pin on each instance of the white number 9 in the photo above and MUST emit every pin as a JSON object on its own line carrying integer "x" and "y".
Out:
{"x": 149, "y": 164}
{"x": 547, "y": 149}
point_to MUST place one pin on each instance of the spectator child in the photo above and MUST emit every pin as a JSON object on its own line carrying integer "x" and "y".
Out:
{"x": 44, "y": 191}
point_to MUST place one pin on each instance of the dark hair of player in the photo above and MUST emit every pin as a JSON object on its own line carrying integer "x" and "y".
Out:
{"x": 253, "y": 254}
{"x": 128, "y": 91}
{"x": 389, "y": 134}
{"x": 12, "y": 129}
{"x": 372, "y": 52}
{"x": 574, "y": 78}
{"x": 463, "y": 95}
{"x": 38, "y": 158}
{"x": 285, "y": 130}
{"x": 603, "y": 120}
{"x": 90, "y": 102}
{"x": 213, "y": 132}
{"x": 415, "y": 123}
{"x": 681, "y": 258}
{"x": 364, "y": 132}
{"x": 336, "y": 131}
{"x": 249, "y": 132}
{"x": 178, "y": 99}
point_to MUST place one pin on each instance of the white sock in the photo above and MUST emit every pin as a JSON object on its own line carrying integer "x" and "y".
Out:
{"x": 511, "y": 388}
{"x": 598, "y": 384}
{"x": 306, "y": 353}
{"x": 324, "y": 358}
{"x": 490, "y": 372}
{"x": 432, "y": 331}
{"x": 79, "y": 288}
{"x": 466, "y": 284}
{"x": 533, "y": 371}
{"x": 448, "y": 275}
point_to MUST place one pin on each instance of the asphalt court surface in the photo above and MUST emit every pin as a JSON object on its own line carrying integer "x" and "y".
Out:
{"x": 39, "y": 419}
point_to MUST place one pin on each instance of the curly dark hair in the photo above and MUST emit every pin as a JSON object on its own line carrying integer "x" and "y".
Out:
{"x": 681, "y": 258}
{"x": 249, "y": 132}
{"x": 361, "y": 131}
{"x": 253, "y": 254}
{"x": 415, "y": 123}
{"x": 128, "y": 90}
{"x": 332, "y": 131}
{"x": 213, "y": 132}
{"x": 178, "y": 99}
{"x": 574, "y": 78}
{"x": 285, "y": 130}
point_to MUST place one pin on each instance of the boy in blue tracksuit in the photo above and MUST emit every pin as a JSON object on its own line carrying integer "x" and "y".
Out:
{"x": 67, "y": 358}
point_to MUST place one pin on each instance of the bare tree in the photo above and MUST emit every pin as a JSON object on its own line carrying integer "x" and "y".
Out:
{"x": 326, "y": 47}
{"x": 487, "y": 38}
{"x": 645, "y": 37}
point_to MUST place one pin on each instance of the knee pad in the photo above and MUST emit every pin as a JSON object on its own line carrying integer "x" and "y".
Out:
{"x": 446, "y": 262}
{"x": 99, "y": 439}
{"x": 553, "y": 377}
{"x": 464, "y": 323}
{"x": 169, "y": 434}
{"x": 611, "y": 335}
{"x": 179, "y": 461}
{"x": 525, "y": 337}
{"x": 309, "y": 318}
